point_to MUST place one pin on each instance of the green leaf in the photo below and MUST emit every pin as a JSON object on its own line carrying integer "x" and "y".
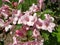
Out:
{"x": 29, "y": 33}
{"x": 18, "y": 26}
{"x": 48, "y": 11}
{"x": 58, "y": 29}
{"x": 0, "y": 3}
{"x": 58, "y": 33}
{"x": 19, "y": 7}
{"x": 7, "y": 3}
{"x": 45, "y": 36}
{"x": 58, "y": 37}
{"x": 14, "y": 0}
{"x": 42, "y": 17}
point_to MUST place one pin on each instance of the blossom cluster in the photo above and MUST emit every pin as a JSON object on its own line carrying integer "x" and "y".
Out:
{"x": 29, "y": 20}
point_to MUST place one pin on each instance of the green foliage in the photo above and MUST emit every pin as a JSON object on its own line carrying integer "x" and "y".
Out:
{"x": 48, "y": 11}
{"x": 29, "y": 33}
{"x": 18, "y": 26}
{"x": 58, "y": 34}
{"x": 19, "y": 7}
{"x": 42, "y": 17}
{"x": 0, "y": 3}
{"x": 26, "y": 4}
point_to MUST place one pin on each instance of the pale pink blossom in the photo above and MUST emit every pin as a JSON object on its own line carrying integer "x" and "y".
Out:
{"x": 33, "y": 8}
{"x": 39, "y": 23}
{"x": 14, "y": 41}
{"x": 5, "y": 11}
{"x": 32, "y": 20}
{"x": 16, "y": 16}
{"x": 36, "y": 33}
{"x": 15, "y": 20}
{"x": 28, "y": 19}
{"x": 48, "y": 17}
{"x": 48, "y": 23}
{"x": 1, "y": 23}
{"x": 40, "y": 4}
{"x": 27, "y": 13}
{"x": 8, "y": 27}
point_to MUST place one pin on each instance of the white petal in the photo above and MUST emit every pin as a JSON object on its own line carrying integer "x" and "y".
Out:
{"x": 6, "y": 29}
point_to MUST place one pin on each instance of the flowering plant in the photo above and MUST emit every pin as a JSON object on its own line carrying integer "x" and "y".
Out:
{"x": 24, "y": 26}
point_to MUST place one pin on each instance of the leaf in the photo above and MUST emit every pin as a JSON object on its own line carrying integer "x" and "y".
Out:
{"x": 58, "y": 34}
{"x": 45, "y": 35}
{"x": 19, "y": 7}
{"x": 42, "y": 17}
{"x": 58, "y": 37}
{"x": 0, "y": 3}
{"x": 48, "y": 11}
{"x": 58, "y": 29}
{"x": 29, "y": 33}
{"x": 18, "y": 26}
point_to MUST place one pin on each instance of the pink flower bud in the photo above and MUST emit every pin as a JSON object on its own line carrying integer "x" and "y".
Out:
{"x": 20, "y": 33}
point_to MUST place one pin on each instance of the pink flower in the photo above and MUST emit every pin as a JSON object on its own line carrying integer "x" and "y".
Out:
{"x": 48, "y": 23}
{"x": 39, "y": 23}
{"x": 35, "y": 33}
{"x": 15, "y": 20}
{"x": 27, "y": 13}
{"x": 48, "y": 17}
{"x": 40, "y": 4}
{"x": 14, "y": 41}
{"x": 22, "y": 31}
{"x": 8, "y": 27}
{"x": 15, "y": 4}
{"x": 1, "y": 23}
{"x": 33, "y": 8}
{"x": 16, "y": 16}
{"x": 28, "y": 19}
{"x": 5, "y": 11}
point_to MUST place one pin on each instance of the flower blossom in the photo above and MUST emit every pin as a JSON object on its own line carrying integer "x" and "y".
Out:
{"x": 15, "y": 4}
{"x": 28, "y": 19}
{"x": 48, "y": 23}
{"x": 39, "y": 23}
{"x": 33, "y": 8}
{"x": 36, "y": 33}
{"x": 1, "y": 23}
{"x": 40, "y": 4}
{"x": 8, "y": 27}
{"x": 16, "y": 16}
{"x": 5, "y": 11}
{"x": 22, "y": 32}
{"x": 14, "y": 41}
